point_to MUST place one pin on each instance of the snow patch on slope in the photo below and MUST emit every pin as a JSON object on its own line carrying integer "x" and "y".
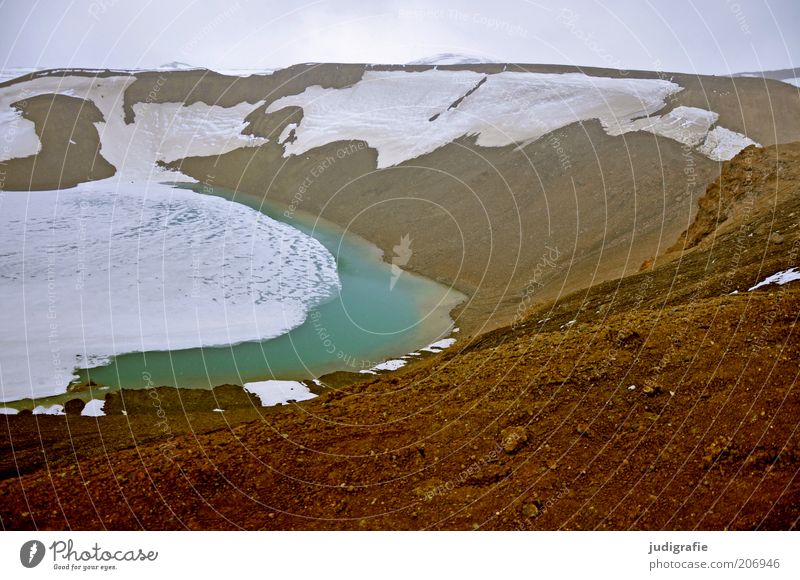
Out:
{"x": 390, "y": 365}
{"x": 514, "y": 107}
{"x": 51, "y": 410}
{"x": 170, "y": 131}
{"x": 440, "y": 345}
{"x": 94, "y": 408}
{"x": 686, "y": 125}
{"x": 779, "y": 278}
{"x": 160, "y": 132}
{"x": 176, "y": 65}
{"x": 391, "y": 110}
{"x": 387, "y": 109}
{"x": 19, "y": 137}
{"x": 722, "y": 144}
{"x": 279, "y": 392}
{"x": 406, "y": 114}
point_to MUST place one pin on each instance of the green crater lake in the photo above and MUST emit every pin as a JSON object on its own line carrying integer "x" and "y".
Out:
{"x": 369, "y": 321}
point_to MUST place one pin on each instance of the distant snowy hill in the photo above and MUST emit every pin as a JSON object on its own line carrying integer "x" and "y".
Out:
{"x": 786, "y": 75}
{"x": 445, "y": 58}
{"x": 176, "y": 65}
{"x": 234, "y": 72}
{"x": 13, "y": 73}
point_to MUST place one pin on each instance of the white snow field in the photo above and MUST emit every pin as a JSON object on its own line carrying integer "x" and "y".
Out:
{"x": 279, "y": 392}
{"x": 111, "y": 267}
{"x": 406, "y": 114}
{"x": 779, "y": 278}
{"x": 160, "y": 131}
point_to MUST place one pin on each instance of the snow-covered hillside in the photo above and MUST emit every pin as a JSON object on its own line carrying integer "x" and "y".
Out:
{"x": 406, "y": 114}
{"x": 161, "y": 131}
{"x": 401, "y": 114}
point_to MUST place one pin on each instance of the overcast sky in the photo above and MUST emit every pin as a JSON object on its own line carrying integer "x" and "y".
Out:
{"x": 704, "y": 36}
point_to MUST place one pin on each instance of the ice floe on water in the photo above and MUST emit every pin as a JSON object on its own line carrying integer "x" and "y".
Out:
{"x": 406, "y": 114}
{"x": 279, "y": 392}
{"x": 779, "y": 278}
{"x": 108, "y": 268}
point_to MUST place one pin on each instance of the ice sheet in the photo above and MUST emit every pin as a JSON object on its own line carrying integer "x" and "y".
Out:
{"x": 111, "y": 267}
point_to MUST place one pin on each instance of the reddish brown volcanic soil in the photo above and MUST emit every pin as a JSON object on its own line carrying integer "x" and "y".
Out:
{"x": 670, "y": 403}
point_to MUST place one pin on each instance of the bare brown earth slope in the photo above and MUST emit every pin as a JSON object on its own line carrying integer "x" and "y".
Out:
{"x": 667, "y": 399}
